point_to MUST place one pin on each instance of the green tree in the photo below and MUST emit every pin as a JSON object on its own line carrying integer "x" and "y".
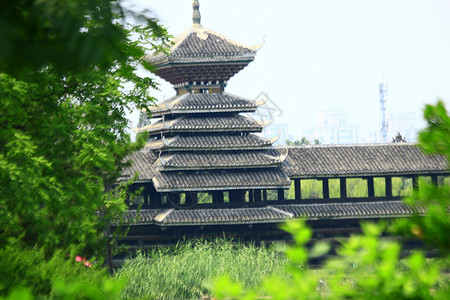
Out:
{"x": 68, "y": 79}
{"x": 303, "y": 141}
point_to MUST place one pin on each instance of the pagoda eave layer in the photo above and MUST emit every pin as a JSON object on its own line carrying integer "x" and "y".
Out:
{"x": 270, "y": 178}
{"x": 191, "y": 103}
{"x": 210, "y": 142}
{"x": 219, "y": 160}
{"x": 232, "y": 123}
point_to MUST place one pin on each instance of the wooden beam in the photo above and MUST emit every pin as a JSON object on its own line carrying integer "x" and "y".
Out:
{"x": 343, "y": 187}
{"x": 325, "y": 188}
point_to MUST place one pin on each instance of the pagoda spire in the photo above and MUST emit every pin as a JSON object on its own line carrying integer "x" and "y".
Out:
{"x": 196, "y": 14}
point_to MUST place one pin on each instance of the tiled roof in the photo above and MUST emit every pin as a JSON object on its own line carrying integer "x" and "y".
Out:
{"x": 222, "y": 216}
{"x": 210, "y": 142}
{"x": 205, "y": 124}
{"x": 270, "y": 178}
{"x": 142, "y": 163}
{"x": 219, "y": 160}
{"x": 278, "y": 213}
{"x": 361, "y": 160}
{"x": 201, "y": 103}
{"x": 198, "y": 44}
{"x": 356, "y": 210}
{"x": 200, "y": 54}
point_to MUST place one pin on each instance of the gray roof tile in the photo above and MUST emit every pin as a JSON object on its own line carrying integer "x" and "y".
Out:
{"x": 142, "y": 164}
{"x": 360, "y": 160}
{"x": 201, "y": 103}
{"x": 210, "y": 142}
{"x": 353, "y": 210}
{"x": 221, "y": 180}
{"x": 205, "y": 124}
{"x": 218, "y": 160}
{"x": 276, "y": 213}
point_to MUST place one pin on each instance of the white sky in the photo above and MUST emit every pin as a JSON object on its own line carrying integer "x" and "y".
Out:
{"x": 328, "y": 54}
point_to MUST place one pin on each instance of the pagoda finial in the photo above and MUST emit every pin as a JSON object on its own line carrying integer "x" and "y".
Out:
{"x": 196, "y": 14}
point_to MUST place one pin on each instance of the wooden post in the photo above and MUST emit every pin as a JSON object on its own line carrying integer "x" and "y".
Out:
{"x": 280, "y": 194}
{"x": 217, "y": 196}
{"x": 156, "y": 198}
{"x": 388, "y": 180}
{"x": 434, "y": 179}
{"x": 250, "y": 196}
{"x": 257, "y": 195}
{"x": 191, "y": 197}
{"x": 264, "y": 195}
{"x": 298, "y": 189}
{"x": 343, "y": 187}
{"x": 325, "y": 188}
{"x": 109, "y": 257}
{"x": 174, "y": 198}
{"x": 237, "y": 196}
{"x": 415, "y": 180}
{"x": 370, "y": 187}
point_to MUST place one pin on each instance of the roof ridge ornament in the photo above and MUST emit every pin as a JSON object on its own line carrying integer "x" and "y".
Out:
{"x": 196, "y": 17}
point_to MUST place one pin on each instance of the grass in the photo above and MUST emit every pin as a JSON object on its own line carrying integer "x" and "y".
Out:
{"x": 187, "y": 270}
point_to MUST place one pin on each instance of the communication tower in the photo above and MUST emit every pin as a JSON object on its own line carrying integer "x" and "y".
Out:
{"x": 384, "y": 129}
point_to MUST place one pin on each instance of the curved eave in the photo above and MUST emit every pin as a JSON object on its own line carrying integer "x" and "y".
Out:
{"x": 211, "y": 148}
{"x": 224, "y": 166}
{"x": 202, "y": 111}
{"x": 219, "y": 188}
{"x": 221, "y": 180}
{"x": 168, "y": 62}
{"x": 210, "y": 130}
{"x": 369, "y": 174}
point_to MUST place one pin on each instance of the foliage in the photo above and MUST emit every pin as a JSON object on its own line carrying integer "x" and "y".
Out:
{"x": 302, "y": 142}
{"x": 369, "y": 266}
{"x": 435, "y": 138}
{"x": 59, "y": 275}
{"x": 184, "y": 272}
{"x": 434, "y": 227}
{"x": 68, "y": 79}
{"x": 70, "y": 35}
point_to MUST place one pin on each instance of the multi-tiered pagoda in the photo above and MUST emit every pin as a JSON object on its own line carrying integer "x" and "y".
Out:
{"x": 201, "y": 140}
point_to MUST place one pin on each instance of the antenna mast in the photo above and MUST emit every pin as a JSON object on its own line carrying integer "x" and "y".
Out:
{"x": 383, "y": 92}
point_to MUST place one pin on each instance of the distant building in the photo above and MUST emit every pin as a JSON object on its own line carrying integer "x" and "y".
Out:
{"x": 333, "y": 128}
{"x": 404, "y": 123}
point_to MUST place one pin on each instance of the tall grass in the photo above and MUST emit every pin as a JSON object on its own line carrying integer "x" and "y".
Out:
{"x": 187, "y": 270}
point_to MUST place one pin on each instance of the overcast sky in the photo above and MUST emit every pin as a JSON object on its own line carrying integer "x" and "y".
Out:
{"x": 328, "y": 54}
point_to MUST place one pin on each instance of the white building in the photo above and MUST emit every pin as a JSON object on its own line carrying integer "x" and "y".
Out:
{"x": 333, "y": 128}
